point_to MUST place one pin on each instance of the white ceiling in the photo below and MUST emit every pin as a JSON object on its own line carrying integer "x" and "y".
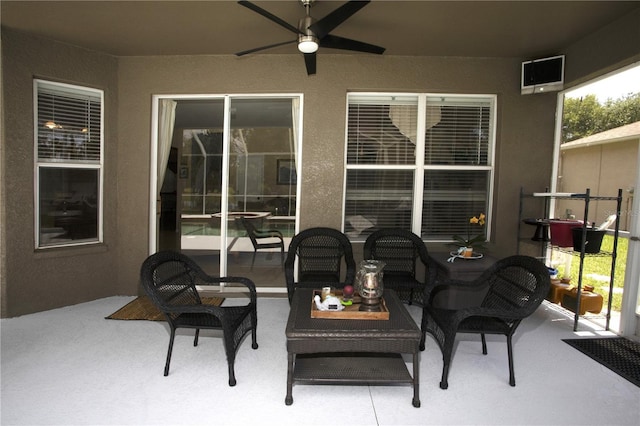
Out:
{"x": 520, "y": 29}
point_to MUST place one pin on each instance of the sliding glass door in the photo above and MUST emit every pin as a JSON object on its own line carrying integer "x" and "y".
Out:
{"x": 235, "y": 174}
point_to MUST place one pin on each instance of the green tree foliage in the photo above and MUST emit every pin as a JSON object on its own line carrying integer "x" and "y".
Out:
{"x": 621, "y": 112}
{"x": 586, "y": 116}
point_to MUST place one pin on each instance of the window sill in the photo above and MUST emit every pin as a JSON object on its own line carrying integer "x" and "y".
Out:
{"x": 79, "y": 250}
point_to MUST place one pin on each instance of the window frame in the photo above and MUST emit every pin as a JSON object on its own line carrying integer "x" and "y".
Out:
{"x": 419, "y": 168}
{"x": 41, "y": 164}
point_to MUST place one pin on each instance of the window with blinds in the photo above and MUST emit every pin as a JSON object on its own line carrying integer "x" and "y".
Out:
{"x": 69, "y": 159}
{"x": 461, "y": 135}
{"x": 68, "y": 124}
{"x": 419, "y": 162}
{"x": 382, "y": 130}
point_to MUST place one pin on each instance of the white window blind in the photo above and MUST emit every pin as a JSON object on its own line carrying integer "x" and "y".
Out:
{"x": 381, "y": 130}
{"x": 431, "y": 184}
{"x": 461, "y": 134}
{"x": 68, "y": 124}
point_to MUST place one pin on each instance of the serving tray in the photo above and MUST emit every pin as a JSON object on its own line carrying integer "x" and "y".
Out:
{"x": 349, "y": 312}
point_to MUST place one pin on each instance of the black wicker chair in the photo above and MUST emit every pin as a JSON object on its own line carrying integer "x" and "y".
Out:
{"x": 514, "y": 287}
{"x": 272, "y": 239}
{"x": 400, "y": 249}
{"x": 170, "y": 279}
{"x": 320, "y": 252}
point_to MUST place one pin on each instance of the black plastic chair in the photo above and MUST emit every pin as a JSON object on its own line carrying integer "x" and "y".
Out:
{"x": 320, "y": 252}
{"x": 400, "y": 250}
{"x": 514, "y": 287}
{"x": 170, "y": 279}
{"x": 258, "y": 235}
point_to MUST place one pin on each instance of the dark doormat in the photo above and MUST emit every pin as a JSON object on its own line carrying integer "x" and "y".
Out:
{"x": 616, "y": 353}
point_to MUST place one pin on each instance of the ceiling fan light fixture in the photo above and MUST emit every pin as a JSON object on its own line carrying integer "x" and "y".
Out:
{"x": 310, "y": 32}
{"x": 307, "y": 44}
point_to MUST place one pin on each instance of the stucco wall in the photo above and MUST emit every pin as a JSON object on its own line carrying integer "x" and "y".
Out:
{"x": 35, "y": 281}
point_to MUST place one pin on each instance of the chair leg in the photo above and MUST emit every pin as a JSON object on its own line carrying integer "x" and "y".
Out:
{"x": 512, "y": 376}
{"x": 231, "y": 359}
{"x": 444, "y": 383}
{"x": 254, "y": 338}
{"x": 232, "y": 375}
{"x": 195, "y": 340}
{"x": 254, "y": 259}
{"x": 447, "y": 354}
{"x": 484, "y": 344}
{"x": 171, "y": 338}
{"x": 423, "y": 328}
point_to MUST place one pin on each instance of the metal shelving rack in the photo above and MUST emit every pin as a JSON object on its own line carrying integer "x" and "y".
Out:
{"x": 587, "y": 198}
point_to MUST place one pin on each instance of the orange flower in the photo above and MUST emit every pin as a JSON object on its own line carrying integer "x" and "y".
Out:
{"x": 480, "y": 220}
{"x": 476, "y": 241}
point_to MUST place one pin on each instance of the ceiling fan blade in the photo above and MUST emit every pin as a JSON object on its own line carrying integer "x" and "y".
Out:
{"x": 337, "y": 42}
{"x": 310, "y": 62}
{"x": 257, "y": 49}
{"x": 269, "y": 16}
{"x": 325, "y": 25}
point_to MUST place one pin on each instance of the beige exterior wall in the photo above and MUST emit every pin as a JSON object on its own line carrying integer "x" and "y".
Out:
{"x": 34, "y": 281}
{"x": 603, "y": 168}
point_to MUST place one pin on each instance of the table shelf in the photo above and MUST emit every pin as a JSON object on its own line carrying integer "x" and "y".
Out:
{"x": 351, "y": 369}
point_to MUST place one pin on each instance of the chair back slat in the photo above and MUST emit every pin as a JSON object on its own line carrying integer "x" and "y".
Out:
{"x": 400, "y": 250}
{"x": 320, "y": 253}
{"x": 398, "y": 253}
{"x": 170, "y": 281}
{"x": 517, "y": 284}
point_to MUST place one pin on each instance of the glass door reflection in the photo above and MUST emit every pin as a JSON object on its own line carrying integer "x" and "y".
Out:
{"x": 236, "y": 182}
{"x": 262, "y": 179}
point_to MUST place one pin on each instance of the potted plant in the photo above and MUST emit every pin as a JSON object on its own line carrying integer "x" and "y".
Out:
{"x": 468, "y": 244}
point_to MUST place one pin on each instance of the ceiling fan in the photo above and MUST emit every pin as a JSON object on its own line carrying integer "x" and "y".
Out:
{"x": 313, "y": 33}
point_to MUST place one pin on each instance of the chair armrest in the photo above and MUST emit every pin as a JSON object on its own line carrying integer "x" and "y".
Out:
{"x": 217, "y": 311}
{"x": 204, "y": 280}
{"x": 245, "y": 282}
{"x": 225, "y": 314}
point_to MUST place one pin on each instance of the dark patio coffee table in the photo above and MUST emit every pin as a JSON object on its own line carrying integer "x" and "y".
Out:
{"x": 351, "y": 351}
